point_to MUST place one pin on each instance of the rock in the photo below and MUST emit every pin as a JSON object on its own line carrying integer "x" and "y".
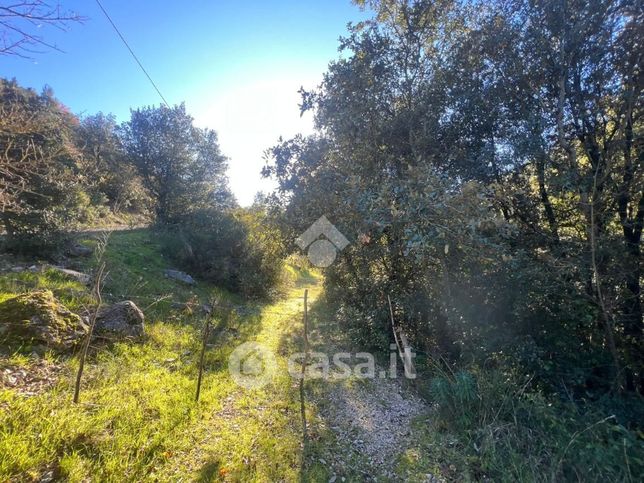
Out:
{"x": 37, "y": 318}
{"x": 123, "y": 319}
{"x": 79, "y": 276}
{"x": 47, "y": 477}
{"x": 78, "y": 250}
{"x": 206, "y": 309}
{"x": 181, "y": 276}
{"x": 18, "y": 269}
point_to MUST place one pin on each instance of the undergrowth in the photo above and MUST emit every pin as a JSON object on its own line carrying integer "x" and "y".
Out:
{"x": 489, "y": 425}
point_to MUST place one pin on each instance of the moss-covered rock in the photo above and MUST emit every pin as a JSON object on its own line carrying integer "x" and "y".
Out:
{"x": 37, "y": 318}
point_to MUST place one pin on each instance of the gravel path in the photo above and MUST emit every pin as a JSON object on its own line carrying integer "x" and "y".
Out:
{"x": 372, "y": 418}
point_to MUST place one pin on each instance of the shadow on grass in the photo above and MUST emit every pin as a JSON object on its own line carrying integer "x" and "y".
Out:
{"x": 210, "y": 472}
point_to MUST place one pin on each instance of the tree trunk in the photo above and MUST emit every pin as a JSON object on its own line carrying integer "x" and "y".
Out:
{"x": 632, "y": 315}
{"x": 632, "y": 221}
{"x": 545, "y": 200}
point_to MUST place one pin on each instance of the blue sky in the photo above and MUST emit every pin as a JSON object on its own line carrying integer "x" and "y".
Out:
{"x": 237, "y": 65}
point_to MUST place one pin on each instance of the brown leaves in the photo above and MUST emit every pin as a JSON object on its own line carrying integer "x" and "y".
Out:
{"x": 32, "y": 379}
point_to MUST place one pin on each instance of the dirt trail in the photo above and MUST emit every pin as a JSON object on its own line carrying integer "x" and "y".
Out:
{"x": 358, "y": 427}
{"x": 252, "y": 428}
{"x": 367, "y": 421}
{"x": 371, "y": 419}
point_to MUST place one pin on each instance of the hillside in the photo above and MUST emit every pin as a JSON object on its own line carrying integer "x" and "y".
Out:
{"x": 361, "y": 240}
{"x": 138, "y": 419}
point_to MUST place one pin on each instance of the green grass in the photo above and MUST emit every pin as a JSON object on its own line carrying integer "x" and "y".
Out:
{"x": 72, "y": 293}
{"x": 490, "y": 429}
{"x": 137, "y": 420}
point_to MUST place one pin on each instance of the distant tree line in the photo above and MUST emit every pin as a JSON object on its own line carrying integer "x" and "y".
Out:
{"x": 60, "y": 172}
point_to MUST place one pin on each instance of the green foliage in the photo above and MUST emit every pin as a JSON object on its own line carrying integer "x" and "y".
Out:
{"x": 38, "y": 166}
{"x": 489, "y": 426}
{"x": 240, "y": 249}
{"x": 108, "y": 175}
{"x": 456, "y": 398}
{"x": 481, "y": 159}
{"x": 454, "y": 153}
{"x": 58, "y": 172}
{"x": 181, "y": 165}
{"x": 262, "y": 264}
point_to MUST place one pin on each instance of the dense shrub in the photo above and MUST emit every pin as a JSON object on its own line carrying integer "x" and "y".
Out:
{"x": 39, "y": 194}
{"x": 500, "y": 430}
{"x": 43, "y": 230}
{"x": 240, "y": 249}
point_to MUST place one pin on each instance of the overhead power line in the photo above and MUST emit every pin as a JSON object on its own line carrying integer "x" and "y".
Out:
{"x": 132, "y": 52}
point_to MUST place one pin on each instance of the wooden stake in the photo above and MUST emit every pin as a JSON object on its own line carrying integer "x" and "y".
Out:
{"x": 206, "y": 329}
{"x": 88, "y": 339}
{"x": 402, "y": 344}
{"x": 304, "y": 363}
{"x": 393, "y": 327}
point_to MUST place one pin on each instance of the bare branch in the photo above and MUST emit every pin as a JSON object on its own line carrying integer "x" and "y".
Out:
{"x": 18, "y": 19}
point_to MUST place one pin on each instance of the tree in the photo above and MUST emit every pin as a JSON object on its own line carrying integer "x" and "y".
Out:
{"x": 584, "y": 58}
{"x": 38, "y": 167}
{"x": 107, "y": 173}
{"x": 181, "y": 165}
{"x": 495, "y": 144}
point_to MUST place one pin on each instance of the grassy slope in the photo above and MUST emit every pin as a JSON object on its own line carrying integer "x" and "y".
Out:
{"x": 137, "y": 420}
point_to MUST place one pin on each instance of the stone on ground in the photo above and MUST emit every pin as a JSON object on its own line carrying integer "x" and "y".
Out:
{"x": 180, "y": 276}
{"x": 79, "y": 276}
{"x": 123, "y": 319}
{"x": 78, "y": 250}
{"x": 37, "y": 318}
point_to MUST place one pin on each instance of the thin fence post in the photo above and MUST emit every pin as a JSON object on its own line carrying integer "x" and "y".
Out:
{"x": 304, "y": 363}
{"x": 90, "y": 332}
{"x": 404, "y": 349}
{"x": 393, "y": 327}
{"x": 206, "y": 330}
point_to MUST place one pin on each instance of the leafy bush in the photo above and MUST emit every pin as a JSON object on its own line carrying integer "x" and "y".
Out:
{"x": 44, "y": 228}
{"x": 501, "y": 431}
{"x": 239, "y": 250}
